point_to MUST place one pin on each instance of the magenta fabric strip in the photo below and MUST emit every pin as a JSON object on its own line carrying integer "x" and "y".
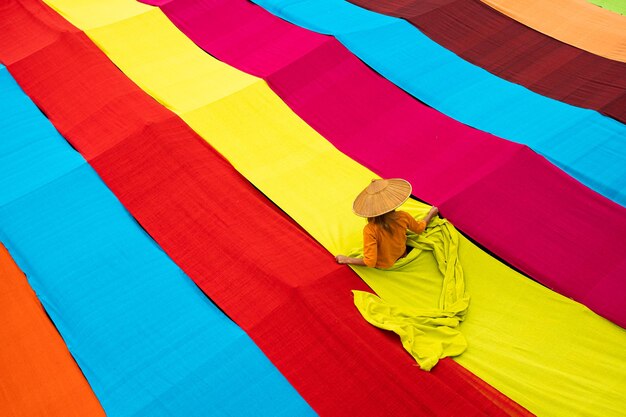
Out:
{"x": 503, "y": 195}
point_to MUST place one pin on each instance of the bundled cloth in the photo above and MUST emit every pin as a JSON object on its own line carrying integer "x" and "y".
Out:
{"x": 427, "y": 333}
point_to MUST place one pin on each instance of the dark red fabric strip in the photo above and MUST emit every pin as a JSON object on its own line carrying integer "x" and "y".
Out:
{"x": 262, "y": 269}
{"x": 503, "y": 195}
{"x": 485, "y": 37}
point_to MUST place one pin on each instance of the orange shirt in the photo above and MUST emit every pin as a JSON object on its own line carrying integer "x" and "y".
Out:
{"x": 381, "y": 248}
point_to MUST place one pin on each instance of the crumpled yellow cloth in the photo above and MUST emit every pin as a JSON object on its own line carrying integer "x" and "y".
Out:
{"x": 427, "y": 333}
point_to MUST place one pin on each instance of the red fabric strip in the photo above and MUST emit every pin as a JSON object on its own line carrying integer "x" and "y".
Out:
{"x": 501, "y": 45}
{"x": 503, "y": 195}
{"x": 253, "y": 261}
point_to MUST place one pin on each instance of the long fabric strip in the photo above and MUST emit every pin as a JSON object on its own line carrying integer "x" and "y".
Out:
{"x": 39, "y": 376}
{"x": 576, "y": 22}
{"x": 262, "y": 269}
{"x": 515, "y": 52}
{"x": 145, "y": 337}
{"x": 617, "y": 6}
{"x": 460, "y": 168}
{"x": 585, "y": 144}
{"x": 513, "y": 325}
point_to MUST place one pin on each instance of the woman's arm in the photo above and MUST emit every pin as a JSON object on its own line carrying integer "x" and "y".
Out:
{"x": 418, "y": 226}
{"x": 432, "y": 213}
{"x": 348, "y": 260}
{"x": 370, "y": 251}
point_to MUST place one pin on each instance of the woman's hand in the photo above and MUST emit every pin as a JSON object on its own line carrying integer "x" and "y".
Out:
{"x": 341, "y": 259}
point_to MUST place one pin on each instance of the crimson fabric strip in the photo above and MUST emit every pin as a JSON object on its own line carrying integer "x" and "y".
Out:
{"x": 254, "y": 262}
{"x": 510, "y": 50}
{"x": 503, "y": 195}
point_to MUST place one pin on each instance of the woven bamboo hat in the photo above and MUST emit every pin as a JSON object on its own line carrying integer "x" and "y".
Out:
{"x": 381, "y": 196}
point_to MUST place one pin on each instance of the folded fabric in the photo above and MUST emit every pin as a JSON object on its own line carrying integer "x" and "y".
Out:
{"x": 427, "y": 334}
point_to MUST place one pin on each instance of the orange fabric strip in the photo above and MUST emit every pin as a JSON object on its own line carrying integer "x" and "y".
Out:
{"x": 575, "y": 22}
{"x": 38, "y": 376}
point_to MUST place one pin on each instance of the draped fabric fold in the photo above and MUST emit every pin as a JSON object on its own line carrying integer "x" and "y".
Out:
{"x": 586, "y": 145}
{"x": 205, "y": 215}
{"x": 506, "y": 325}
{"x": 576, "y": 22}
{"x": 460, "y": 169}
{"x": 515, "y": 52}
{"x": 427, "y": 334}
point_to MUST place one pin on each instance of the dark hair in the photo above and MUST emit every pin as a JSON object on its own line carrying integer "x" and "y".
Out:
{"x": 384, "y": 220}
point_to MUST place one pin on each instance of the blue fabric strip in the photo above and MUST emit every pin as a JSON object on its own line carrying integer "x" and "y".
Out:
{"x": 147, "y": 339}
{"x": 587, "y": 145}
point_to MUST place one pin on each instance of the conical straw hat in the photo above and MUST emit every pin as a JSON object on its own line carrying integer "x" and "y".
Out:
{"x": 381, "y": 196}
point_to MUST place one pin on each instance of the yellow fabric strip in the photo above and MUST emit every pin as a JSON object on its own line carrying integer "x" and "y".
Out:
{"x": 92, "y": 14}
{"x": 575, "y": 22}
{"x": 545, "y": 351}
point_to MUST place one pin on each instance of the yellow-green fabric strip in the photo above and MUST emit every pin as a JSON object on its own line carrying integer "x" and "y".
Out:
{"x": 545, "y": 351}
{"x": 617, "y": 6}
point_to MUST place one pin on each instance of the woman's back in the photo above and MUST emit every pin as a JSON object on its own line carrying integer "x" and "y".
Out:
{"x": 384, "y": 238}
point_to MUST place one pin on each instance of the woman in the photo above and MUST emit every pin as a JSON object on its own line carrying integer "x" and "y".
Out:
{"x": 384, "y": 235}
